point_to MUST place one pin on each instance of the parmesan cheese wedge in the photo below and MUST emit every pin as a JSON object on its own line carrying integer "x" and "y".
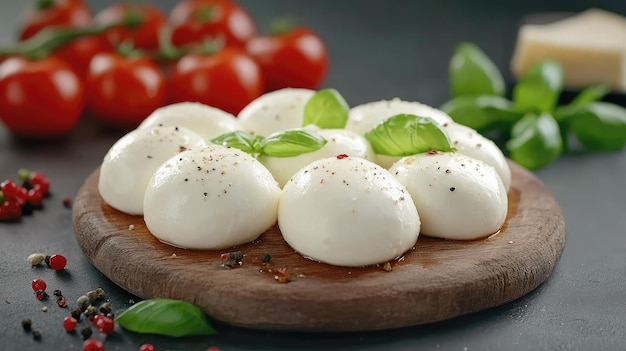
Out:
{"x": 591, "y": 47}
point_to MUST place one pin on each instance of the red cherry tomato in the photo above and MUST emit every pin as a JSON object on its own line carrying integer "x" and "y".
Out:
{"x": 194, "y": 21}
{"x": 228, "y": 79}
{"x": 79, "y": 52}
{"x": 145, "y": 36}
{"x": 122, "y": 91}
{"x": 40, "y": 98}
{"x": 297, "y": 59}
{"x": 54, "y": 13}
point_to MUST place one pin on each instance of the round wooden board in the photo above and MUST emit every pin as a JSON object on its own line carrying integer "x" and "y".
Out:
{"x": 437, "y": 280}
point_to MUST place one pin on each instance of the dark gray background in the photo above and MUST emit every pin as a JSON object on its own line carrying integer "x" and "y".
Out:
{"x": 378, "y": 49}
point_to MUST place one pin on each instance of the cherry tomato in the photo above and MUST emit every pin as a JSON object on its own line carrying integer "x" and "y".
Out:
{"x": 122, "y": 91}
{"x": 54, "y": 13}
{"x": 40, "y": 98}
{"x": 195, "y": 21}
{"x": 296, "y": 59}
{"x": 145, "y": 36}
{"x": 79, "y": 52}
{"x": 228, "y": 79}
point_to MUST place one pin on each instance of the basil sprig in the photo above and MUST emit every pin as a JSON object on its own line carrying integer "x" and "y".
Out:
{"x": 405, "y": 135}
{"x": 539, "y": 129}
{"x": 327, "y": 109}
{"x": 287, "y": 143}
{"x": 165, "y": 317}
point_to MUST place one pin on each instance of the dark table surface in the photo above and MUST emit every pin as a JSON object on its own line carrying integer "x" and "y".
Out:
{"x": 378, "y": 49}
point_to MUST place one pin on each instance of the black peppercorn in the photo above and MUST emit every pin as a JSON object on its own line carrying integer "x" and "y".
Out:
{"x": 266, "y": 258}
{"x": 27, "y": 324}
{"x": 86, "y": 333}
{"x": 36, "y": 334}
{"x": 75, "y": 312}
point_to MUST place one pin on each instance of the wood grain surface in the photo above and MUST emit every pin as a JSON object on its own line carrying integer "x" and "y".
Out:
{"x": 437, "y": 280}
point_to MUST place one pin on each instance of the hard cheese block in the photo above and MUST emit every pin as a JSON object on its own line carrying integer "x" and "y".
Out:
{"x": 591, "y": 47}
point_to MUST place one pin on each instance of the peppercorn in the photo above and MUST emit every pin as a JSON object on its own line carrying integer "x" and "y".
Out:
{"x": 47, "y": 260}
{"x": 61, "y": 302}
{"x": 41, "y": 295}
{"x": 67, "y": 202}
{"x": 266, "y": 258}
{"x": 82, "y": 302}
{"x": 75, "y": 312}
{"x": 105, "y": 308}
{"x": 57, "y": 292}
{"x": 91, "y": 312}
{"x": 36, "y": 259}
{"x": 36, "y": 334}
{"x": 27, "y": 324}
{"x": 86, "y": 332}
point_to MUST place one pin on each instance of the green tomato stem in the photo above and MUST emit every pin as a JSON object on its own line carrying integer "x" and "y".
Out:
{"x": 44, "y": 42}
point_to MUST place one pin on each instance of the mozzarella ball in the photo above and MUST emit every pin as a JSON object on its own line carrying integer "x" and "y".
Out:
{"x": 130, "y": 162}
{"x": 205, "y": 120}
{"x": 458, "y": 197}
{"x": 275, "y": 111}
{"x": 340, "y": 141}
{"x": 469, "y": 142}
{"x": 347, "y": 212}
{"x": 364, "y": 117}
{"x": 210, "y": 198}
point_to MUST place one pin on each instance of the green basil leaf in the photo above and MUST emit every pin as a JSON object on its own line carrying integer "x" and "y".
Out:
{"x": 481, "y": 111}
{"x": 240, "y": 140}
{"x": 590, "y": 94}
{"x": 291, "y": 143}
{"x": 165, "y": 317}
{"x": 327, "y": 109}
{"x": 473, "y": 73}
{"x": 540, "y": 88}
{"x": 599, "y": 126}
{"x": 535, "y": 141}
{"x": 405, "y": 135}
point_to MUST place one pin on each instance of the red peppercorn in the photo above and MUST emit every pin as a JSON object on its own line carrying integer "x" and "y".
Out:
{"x": 93, "y": 345}
{"x": 35, "y": 197}
{"x": 147, "y": 347}
{"x": 341, "y": 156}
{"x": 38, "y": 284}
{"x": 41, "y": 295}
{"x": 62, "y": 301}
{"x": 41, "y": 182}
{"x": 104, "y": 324}
{"x": 57, "y": 262}
{"x": 10, "y": 210}
{"x": 69, "y": 323}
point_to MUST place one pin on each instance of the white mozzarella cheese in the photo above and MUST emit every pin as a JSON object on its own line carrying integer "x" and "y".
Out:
{"x": 365, "y": 117}
{"x": 347, "y": 212}
{"x": 205, "y": 120}
{"x": 339, "y": 141}
{"x": 210, "y": 198}
{"x": 130, "y": 162}
{"x": 275, "y": 111}
{"x": 469, "y": 142}
{"x": 458, "y": 197}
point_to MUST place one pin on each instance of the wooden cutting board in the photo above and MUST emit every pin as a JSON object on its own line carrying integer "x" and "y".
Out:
{"x": 437, "y": 280}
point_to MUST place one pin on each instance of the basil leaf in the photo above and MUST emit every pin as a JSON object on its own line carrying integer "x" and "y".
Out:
{"x": 599, "y": 126}
{"x": 327, "y": 109}
{"x": 405, "y": 135}
{"x": 535, "y": 141}
{"x": 240, "y": 140}
{"x": 473, "y": 73}
{"x": 165, "y": 317}
{"x": 590, "y": 94}
{"x": 540, "y": 88}
{"x": 481, "y": 111}
{"x": 291, "y": 143}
